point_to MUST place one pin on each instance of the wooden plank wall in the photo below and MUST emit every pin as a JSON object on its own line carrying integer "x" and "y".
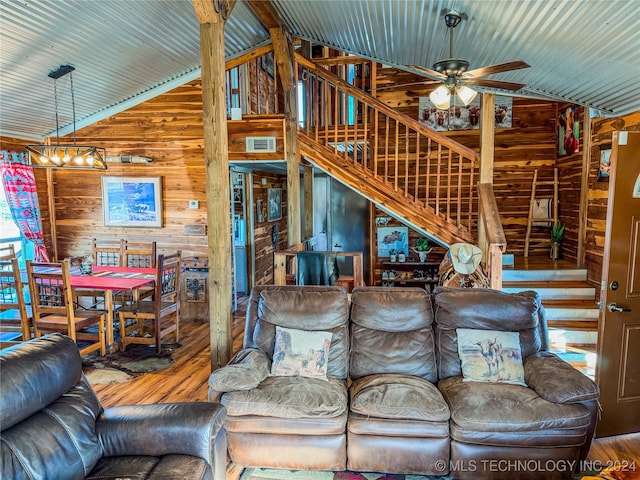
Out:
{"x": 528, "y": 145}
{"x": 598, "y": 194}
{"x": 169, "y": 130}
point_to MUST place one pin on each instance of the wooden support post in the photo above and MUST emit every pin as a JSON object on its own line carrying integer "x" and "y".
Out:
{"x": 284, "y": 61}
{"x": 308, "y": 201}
{"x": 584, "y": 188}
{"x": 487, "y": 153}
{"x": 216, "y": 153}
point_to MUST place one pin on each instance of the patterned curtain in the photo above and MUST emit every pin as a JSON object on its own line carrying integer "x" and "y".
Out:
{"x": 22, "y": 197}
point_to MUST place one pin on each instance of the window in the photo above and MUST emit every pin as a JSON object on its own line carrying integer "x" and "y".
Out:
{"x": 10, "y": 233}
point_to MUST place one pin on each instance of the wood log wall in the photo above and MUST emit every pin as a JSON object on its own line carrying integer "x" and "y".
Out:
{"x": 598, "y": 194}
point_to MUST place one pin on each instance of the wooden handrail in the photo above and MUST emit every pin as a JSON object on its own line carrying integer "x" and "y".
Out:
{"x": 426, "y": 168}
{"x": 494, "y": 242}
{"x": 387, "y": 110}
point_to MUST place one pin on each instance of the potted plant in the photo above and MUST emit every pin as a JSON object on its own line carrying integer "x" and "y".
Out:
{"x": 557, "y": 234}
{"x": 422, "y": 247}
{"x": 392, "y": 255}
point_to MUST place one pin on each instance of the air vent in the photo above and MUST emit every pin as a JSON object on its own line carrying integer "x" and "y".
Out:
{"x": 261, "y": 144}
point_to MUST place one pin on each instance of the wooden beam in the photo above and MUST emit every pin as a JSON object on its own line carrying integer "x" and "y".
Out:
{"x": 51, "y": 200}
{"x": 267, "y": 13}
{"x": 308, "y": 201}
{"x": 213, "y": 11}
{"x": 487, "y": 153}
{"x": 284, "y": 61}
{"x": 250, "y": 55}
{"x": 584, "y": 188}
{"x": 216, "y": 152}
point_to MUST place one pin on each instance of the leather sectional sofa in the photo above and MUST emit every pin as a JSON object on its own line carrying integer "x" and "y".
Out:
{"x": 393, "y": 396}
{"x": 53, "y": 426}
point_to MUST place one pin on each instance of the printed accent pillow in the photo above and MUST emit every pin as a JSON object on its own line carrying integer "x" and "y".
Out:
{"x": 490, "y": 356}
{"x": 300, "y": 353}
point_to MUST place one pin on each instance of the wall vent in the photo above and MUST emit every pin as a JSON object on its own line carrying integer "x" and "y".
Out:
{"x": 261, "y": 144}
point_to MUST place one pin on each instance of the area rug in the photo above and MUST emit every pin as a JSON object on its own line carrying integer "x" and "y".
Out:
{"x": 277, "y": 474}
{"x": 121, "y": 367}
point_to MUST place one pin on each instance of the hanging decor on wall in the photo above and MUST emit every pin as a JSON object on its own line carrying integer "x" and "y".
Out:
{"x": 569, "y": 131}
{"x": 461, "y": 117}
{"x": 67, "y": 156}
{"x": 274, "y": 201}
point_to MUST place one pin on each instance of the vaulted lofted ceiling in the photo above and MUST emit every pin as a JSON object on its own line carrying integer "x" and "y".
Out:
{"x": 127, "y": 51}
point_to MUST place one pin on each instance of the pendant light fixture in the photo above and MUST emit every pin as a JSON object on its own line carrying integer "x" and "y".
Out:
{"x": 66, "y": 156}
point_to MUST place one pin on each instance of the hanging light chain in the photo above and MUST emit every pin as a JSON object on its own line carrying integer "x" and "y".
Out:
{"x": 73, "y": 107}
{"x": 55, "y": 100}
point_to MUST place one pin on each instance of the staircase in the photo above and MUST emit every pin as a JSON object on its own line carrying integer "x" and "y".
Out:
{"x": 407, "y": 169}
{"x": 569, "y": 301}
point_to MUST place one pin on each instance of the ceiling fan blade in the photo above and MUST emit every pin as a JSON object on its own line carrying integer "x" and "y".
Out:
{"x": 429, "y": 73}
{"x": 403, "y": 85}
{"x": 486, "y": 82}
{"x": 497, "y": 68}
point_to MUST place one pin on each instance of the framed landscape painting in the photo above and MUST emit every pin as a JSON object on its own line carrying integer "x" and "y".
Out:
{"x": 132, "y": 201}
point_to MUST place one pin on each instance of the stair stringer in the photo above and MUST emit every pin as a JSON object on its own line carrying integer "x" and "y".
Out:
{"x": 418, "y": 217}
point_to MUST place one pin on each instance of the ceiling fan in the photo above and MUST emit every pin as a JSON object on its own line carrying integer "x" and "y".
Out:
{"x": 454, "y": 75}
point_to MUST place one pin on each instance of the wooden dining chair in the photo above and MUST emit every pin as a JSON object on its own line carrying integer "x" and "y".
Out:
{"x": 138, "y": 254}
{"x": 107, "y": 254}
{"x": 7, "y": 252}
{"x": 15, "y": 314}
{"x": 149, "y": 321}
{"x": 53, "y": 307}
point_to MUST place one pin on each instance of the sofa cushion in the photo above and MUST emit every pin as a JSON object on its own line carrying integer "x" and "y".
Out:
{"x": 490, "y": 356}
{"x": 151, "y": 468}
{"x": 300, "y": 353}
{"x": 310, "y": 309}
{"x": 59, "y": 441}
{"x": 483, "y": 309}
{"x": 491, "y": 407}
{"x": 290, "y": 397}
{"x": 244, "y": 371}
{"x": 398, "y": 396}
{"x": 391, "y": 333}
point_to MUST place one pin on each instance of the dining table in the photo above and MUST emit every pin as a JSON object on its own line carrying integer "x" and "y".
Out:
{"x": 111, "y": 279}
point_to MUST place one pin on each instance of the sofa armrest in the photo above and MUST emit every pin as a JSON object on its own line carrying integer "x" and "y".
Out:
{"x": 245, "y": 371}
{"x": 557, "y": 381}
{"x": 162, "y": 429}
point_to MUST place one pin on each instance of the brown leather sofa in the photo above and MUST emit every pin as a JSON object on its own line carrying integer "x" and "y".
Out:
{"x": 53, "y": 426}
{"x": 394, "y": 400}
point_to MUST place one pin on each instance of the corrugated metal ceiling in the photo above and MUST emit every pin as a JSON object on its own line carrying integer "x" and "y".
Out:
{"x": 126, "y": 51}
{"x": 581, "y": 51}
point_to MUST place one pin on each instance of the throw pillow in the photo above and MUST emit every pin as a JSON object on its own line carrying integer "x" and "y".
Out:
{"x": 300, "y": 353}
{"x": 490, "y": 356}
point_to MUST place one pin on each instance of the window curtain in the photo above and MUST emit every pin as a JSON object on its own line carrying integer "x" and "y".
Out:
{"x": 20, "y": 189}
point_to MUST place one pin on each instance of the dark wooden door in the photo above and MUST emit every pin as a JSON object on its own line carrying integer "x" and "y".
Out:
{"x": 618, "y": 369}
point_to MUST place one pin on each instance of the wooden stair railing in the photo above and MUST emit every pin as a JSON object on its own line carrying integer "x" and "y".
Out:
{"x": 389, "y": 157}
{"x": 493, "y": 242}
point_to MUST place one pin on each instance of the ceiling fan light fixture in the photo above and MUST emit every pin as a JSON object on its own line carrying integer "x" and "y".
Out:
{"x": 441, "y": 97}
{"x": 66, "y": 156}
{"x": 466, "y": 94}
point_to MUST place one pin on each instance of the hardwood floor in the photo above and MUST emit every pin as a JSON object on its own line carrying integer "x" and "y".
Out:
{"x": 187, "y": 380}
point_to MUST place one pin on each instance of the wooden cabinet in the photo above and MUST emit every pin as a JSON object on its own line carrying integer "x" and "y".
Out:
{"x": 411, "y": 274}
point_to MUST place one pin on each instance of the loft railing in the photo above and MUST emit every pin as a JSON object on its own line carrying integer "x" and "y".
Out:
{"x": 417, "y": 162}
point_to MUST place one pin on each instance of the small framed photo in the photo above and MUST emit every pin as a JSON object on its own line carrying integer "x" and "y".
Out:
{"x": 132, "y": 201}
{"x": 604, "y": 164}
{"x": 274, "y": 200}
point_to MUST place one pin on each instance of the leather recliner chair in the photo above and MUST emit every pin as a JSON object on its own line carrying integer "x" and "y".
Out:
{"x": 54, "y": 427}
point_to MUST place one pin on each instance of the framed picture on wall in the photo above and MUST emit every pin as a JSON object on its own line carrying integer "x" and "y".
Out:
{"x": 274, "y": 204}
{"x": 604, "y": 164}
{"x": 392, "y": 238}
{"x": 132, "y": 201}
